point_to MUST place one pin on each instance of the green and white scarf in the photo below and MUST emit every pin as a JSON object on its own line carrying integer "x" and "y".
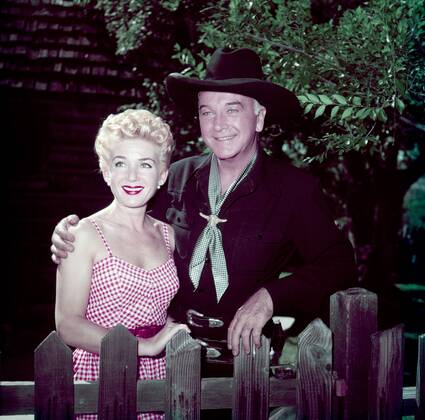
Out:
{"x": 210, "y": 238}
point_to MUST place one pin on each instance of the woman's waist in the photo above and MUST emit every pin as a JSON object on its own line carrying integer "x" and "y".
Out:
{"x": 146, "y": 331}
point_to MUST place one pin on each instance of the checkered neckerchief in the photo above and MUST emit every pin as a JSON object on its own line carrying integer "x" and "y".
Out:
{"x": 210, "y": 237}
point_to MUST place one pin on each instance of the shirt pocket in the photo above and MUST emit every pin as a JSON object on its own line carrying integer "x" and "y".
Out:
{"x": 257, "y": 250}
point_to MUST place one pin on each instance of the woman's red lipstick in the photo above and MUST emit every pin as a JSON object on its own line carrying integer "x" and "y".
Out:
{"x": 132, "y": 189}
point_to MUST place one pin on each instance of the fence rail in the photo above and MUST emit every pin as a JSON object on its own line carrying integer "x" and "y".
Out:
{"x": 349, "y": 371}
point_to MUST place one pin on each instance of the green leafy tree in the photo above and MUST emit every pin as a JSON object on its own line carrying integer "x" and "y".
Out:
{"x": 359, "y": 74}
{"x": 147, "y": 34}
{"x": 354, "y": 77}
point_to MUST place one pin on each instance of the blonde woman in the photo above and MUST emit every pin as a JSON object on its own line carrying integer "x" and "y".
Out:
{"x": 122, "y": 270}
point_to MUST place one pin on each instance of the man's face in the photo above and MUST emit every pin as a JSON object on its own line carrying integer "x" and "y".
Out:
{"x": 229, "y": 125}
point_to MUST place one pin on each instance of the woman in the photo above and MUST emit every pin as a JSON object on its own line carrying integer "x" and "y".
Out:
{"x": 122, "y": 270}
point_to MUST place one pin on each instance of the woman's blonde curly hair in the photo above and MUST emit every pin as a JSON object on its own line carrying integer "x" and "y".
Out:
{"x": 133, "y": 124}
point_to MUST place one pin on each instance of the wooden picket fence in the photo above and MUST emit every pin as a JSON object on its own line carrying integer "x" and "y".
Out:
{"x": 350, "y": 371}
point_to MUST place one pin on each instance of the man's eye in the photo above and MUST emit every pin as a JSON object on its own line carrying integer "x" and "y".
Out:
{"x": 206, "y": 113}
{"x": 233, "y": 110}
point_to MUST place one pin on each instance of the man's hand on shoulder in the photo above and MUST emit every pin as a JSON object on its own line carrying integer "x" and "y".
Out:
{"x": 62, "y": 239}
{"x": 250, "y": 319}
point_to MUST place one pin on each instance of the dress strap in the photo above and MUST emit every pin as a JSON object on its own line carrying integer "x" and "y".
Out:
{"x": 94, "y": 223}
{"x": 167, "y": 238}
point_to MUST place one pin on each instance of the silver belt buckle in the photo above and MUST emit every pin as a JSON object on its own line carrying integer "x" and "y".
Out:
{"x": 196, "y": 319}
{"x": 212, "y": 352}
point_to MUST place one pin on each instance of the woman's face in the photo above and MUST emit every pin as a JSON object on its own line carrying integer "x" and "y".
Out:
{"x": 135, "y": 171}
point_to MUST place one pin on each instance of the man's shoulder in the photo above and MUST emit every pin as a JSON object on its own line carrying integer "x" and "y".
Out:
{"x": 188, "y": 163}
{"x": 182, "y": 171}
{"x": 282, "y": 169}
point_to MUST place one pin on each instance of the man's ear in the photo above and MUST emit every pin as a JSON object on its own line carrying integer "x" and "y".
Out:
{"x": 260, "y": 119}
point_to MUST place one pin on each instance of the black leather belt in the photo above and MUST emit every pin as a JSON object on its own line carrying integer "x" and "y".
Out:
{"x": 196, "y": 319}
{"x": 202, "y": 326}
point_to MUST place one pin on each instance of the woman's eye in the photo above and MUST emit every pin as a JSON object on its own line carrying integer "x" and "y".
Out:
{"x": 119, "y": 164}
{"x": 146, "y": 165}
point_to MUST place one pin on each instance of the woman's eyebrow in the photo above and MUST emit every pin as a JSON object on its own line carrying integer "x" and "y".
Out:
{"x": 141, "y": 159}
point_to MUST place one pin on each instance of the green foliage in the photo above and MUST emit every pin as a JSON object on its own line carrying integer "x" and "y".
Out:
{"x": 416, "y": 52}
{"x": 409, "y": 287}
{"x": 351, "y": 75}
{"x": 414, "y": 205}
{"x": 359, "y": 77}
{"x": 354, "y": 77}
{"x": 145, "y": 33}
{"x": 129, "y": 21}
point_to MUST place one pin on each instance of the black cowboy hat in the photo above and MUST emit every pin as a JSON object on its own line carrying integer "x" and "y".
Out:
{"x": 236, "y": 71}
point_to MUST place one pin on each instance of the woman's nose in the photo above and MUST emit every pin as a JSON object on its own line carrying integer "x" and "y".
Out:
{"x": 132, "y": 173}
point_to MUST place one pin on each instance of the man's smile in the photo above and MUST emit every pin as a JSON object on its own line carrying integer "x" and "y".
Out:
{"x": 225, "y": 138}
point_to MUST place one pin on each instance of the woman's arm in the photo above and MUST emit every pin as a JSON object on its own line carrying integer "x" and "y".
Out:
{"x": 73, "y": 280}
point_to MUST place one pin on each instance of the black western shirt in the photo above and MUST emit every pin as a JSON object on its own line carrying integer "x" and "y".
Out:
{"x": 277, "y": 221}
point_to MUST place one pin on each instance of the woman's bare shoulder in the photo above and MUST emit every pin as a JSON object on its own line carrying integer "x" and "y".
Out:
{"x": 83, "y": 230}
{"x": 159, "y": 225}
{"x": 86, "y": 246}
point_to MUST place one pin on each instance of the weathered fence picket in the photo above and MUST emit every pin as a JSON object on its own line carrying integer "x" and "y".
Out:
{"x": 420, "y": 379}
{"x": 333, "y": 380}
{"x": 314, "y": 393}
{"x": 183, "y": 382}
{"x": 386, "y": 374}
{"x": 251, "y": 382}
{"x": 118, "y": 375}
{"x": 353, "y": 318}
{"x": 53, "y": 389}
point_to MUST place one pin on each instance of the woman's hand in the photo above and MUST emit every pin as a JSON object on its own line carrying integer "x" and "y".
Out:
{"x": 155, "y": 345}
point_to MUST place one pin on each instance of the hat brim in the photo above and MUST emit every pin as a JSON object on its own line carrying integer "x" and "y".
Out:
{"x": 281, "y": 104}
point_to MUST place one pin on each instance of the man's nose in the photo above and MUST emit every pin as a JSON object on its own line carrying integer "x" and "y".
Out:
{"x": 219, "y": 122}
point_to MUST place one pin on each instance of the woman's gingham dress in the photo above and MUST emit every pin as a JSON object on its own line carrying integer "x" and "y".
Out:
{"x": 122, "y": 293}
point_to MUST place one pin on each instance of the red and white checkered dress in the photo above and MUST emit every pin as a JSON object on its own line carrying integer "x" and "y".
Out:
{"x": 122, "y": 293}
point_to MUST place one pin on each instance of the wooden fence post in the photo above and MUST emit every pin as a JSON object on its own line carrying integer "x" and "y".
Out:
{"x": 420, "y": 379}
{"x": 251, "y": 382}
{"x": 118, "y": 375}
{"x": 53, "y": 377}
{"x": 353, "y": 318}
{"x": 314, "y": 372}
{"x": 386, "y": 374}
{"x": 183, "y": 381}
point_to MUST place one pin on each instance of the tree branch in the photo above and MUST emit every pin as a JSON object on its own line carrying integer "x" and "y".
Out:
{"x": 293, "y": 49}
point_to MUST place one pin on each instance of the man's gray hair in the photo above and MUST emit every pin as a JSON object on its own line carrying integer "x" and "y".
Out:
{"x": 257, "y": 107}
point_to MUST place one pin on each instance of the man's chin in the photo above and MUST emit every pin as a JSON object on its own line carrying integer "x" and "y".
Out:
{"x": 224, "y": 154}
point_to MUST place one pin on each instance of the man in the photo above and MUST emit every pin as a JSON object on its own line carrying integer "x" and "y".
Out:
{"x": 242, "y": 218}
